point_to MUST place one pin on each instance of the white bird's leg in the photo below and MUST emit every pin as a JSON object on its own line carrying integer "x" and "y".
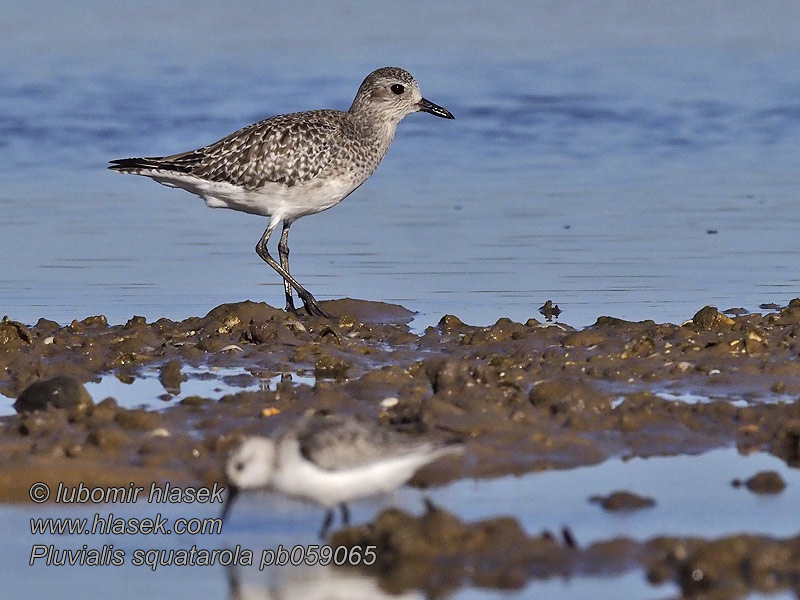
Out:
{"x": 345, "y": 514}
{"x": 312, "y": 306}
{"x": 283, "y": 253}
{"x": 326, "y": 524}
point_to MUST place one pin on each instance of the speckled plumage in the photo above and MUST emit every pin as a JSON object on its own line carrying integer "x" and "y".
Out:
{"x": 338, "y": 443}
{"x": 293, "y": 165}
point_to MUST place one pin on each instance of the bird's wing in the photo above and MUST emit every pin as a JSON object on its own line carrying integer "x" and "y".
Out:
{"x": 336, "y": 443}
{"x": 287, "y": 149}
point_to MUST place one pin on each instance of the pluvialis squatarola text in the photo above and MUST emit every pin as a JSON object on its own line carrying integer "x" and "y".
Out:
{"x": 330, "y": 461}
{"x": 293, "y": 165}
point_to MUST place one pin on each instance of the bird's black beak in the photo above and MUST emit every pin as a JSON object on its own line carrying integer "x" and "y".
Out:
{"x": 233, "y": 491}
{"x": 436, "y": 110}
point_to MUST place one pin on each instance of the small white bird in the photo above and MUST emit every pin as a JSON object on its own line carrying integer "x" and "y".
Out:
{"x": 329, "y": 460}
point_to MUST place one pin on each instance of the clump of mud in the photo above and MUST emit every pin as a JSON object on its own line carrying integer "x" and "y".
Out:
{"x": 623, "y": 501}
{"x": 437, "y": 552}
{"x": 727, "y": 568}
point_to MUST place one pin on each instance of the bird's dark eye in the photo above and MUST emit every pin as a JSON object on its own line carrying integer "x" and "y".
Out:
{"x": 398, "y": 89}
{"x": 239, "y": 466}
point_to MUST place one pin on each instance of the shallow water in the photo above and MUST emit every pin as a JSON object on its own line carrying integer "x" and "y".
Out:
{"x": 554, "y": 499}
{"x": 146, "y": 391}
{"x": 593, "y": 151}
{"x": 548, "y": 500}
{"x": 624, "y": 159}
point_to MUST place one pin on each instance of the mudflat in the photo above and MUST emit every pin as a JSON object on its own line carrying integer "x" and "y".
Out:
{"x": 521, "y": 396}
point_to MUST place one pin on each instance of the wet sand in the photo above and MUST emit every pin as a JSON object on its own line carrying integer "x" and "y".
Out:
{"x": 522, "y": 396}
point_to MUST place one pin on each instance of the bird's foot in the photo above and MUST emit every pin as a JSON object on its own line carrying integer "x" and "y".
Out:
{"x": 312, "y": 306}
{"x": 290, "y": 306}
{"x": 326, "y": 524}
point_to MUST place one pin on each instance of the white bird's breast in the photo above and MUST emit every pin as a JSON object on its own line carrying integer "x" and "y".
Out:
{"x": 274, "y": 200}
{"x": 297, "y": 476}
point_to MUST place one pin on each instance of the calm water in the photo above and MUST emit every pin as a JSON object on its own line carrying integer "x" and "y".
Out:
{"x": 595, "y": 148}
{"x": 546, "y": 500}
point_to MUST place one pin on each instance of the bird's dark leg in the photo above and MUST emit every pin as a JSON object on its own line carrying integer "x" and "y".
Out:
{"x": 345, "y": 514}
{"x": 312, "y": 306}
{"x": 283, "y": 253}
{"x": 326, "y": 524}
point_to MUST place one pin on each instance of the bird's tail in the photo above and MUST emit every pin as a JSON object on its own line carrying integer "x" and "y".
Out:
{"x": 138, "y": 165}
{"x": 448, "y": 448}
{"x": 179, "y": 163}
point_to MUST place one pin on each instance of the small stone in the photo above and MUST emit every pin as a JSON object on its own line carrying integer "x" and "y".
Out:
{"x": 347, "y": 322}
{"x": 765, "y": 482}
{"x": 618, "y": 501}
{"x": 568, "y": 396}
{"x": 60, "y": 392}
{"x": 450, "y": 324}
{"x": 105, "y": 410}
{"x": 786, "y": 442}
{"x": 137, "y": 419}
{"x": 107, "y": 439}
{"x": 97, "y": 320}
{"x": 13, "y": 333}
{"x": 769, "y": 306}
{"x": 331, "y": 367}
{"x": 709, "y": 317}
{"x": 134, "y": 322}
{"x": 194, "y": 401}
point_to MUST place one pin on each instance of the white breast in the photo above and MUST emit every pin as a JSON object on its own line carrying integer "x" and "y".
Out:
{"x": 273, "y": 200}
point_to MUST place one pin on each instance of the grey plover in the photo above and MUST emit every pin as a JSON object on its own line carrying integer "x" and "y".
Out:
{"x": 293, "y": 165}
{"x": 330, "y": 461}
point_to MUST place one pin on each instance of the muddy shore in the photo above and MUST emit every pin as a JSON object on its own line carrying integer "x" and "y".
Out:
{"x": 522, "y": 396}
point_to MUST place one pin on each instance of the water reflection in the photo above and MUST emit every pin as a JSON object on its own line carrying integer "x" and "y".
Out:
{"x": 310, "y": 583}
{"x": 328, "y": 583}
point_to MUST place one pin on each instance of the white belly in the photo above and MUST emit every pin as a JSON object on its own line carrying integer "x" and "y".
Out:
{"x": 273, "y": 200}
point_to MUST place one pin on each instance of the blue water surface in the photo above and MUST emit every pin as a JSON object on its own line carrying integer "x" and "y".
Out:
{"x": 636, "y": 159}
{"x": 618, "y": 159}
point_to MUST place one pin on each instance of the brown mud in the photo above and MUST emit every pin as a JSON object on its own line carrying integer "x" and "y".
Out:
{"x": 523, "y": 396}
{"x": 438, "y": 553}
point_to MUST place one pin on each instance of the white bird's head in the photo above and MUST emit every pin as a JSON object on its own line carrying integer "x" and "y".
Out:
{"x": 250, "y": 466}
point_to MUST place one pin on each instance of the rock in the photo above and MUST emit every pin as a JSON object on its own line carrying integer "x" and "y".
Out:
{"x": 60, "y": 392}
{"x": 450, "y": 324}
{"x": 786, "y": 442}
{"x": 709, "y": 317}
{"x": 567, "y": 395}
{"x": 766, "y": 482}
{"x": 137, "y": 418}
{"x": 618, "y": 501}
{"x": 13, "y": 333}
{"x": 331, "y": 367}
